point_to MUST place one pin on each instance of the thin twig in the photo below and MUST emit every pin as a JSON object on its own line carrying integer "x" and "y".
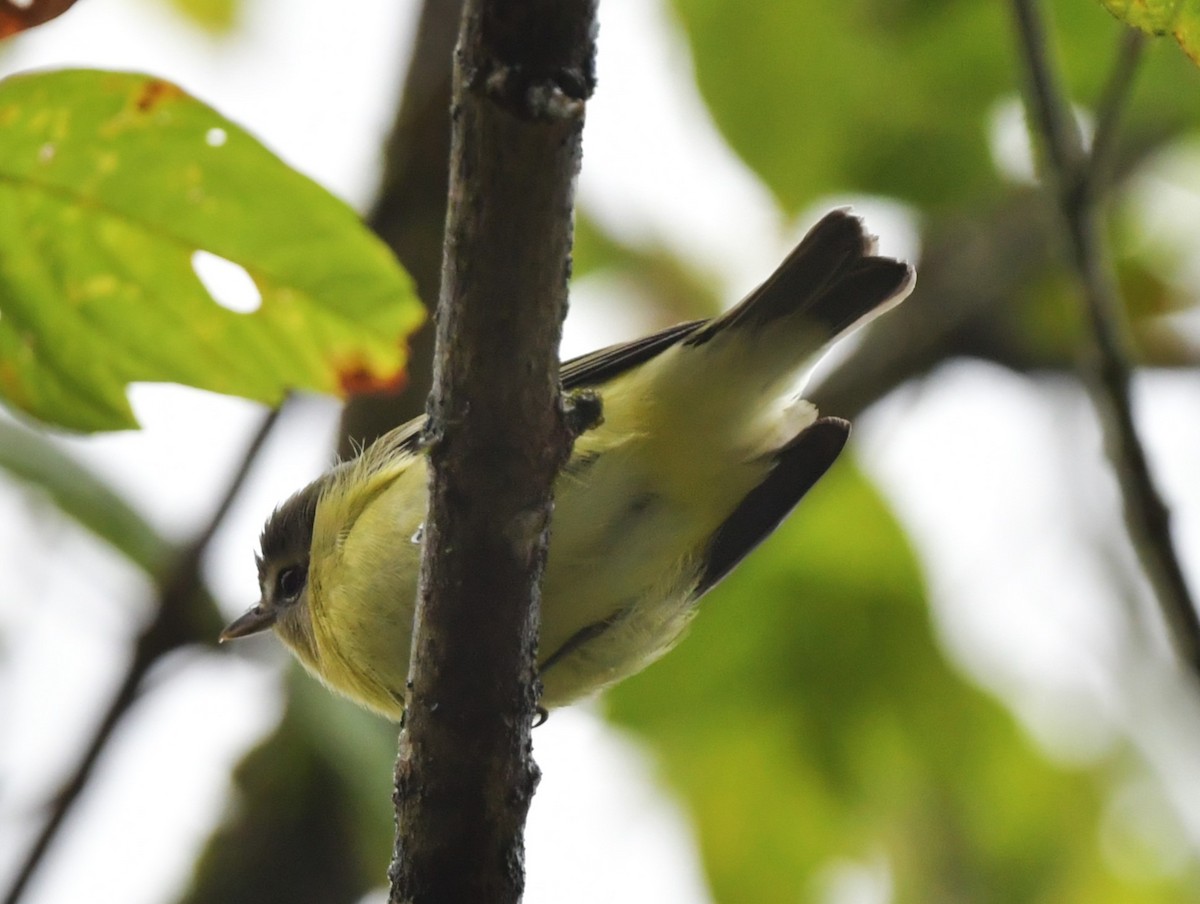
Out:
{"x": 177, "y": 622}
{"x": 1114, "y": 98}
{"x": 1061, "y": 140}
{"x": 1106, "y": 369}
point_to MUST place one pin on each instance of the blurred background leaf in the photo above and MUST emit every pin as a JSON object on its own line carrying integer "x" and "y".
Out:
{"x": 895, "y": 99}
{"x": 82, "y": 495}
{"x": 217, "y": 16}
{"x": 315, "y": 794}
{"x": 809, "y": 719}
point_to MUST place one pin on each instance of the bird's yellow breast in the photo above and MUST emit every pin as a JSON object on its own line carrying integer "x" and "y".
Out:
{"x": 362, "y": 585}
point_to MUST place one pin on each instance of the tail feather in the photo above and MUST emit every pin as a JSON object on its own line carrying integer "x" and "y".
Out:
{"x": 832, "y": 281}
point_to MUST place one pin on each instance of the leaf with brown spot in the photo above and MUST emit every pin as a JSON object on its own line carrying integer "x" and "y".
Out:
{"x": 155, "y": 92}
{"x": 110, "y": 186}
{"x": 357, "y": 378}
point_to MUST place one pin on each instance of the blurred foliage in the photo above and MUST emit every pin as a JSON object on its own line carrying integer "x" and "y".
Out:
{"x": 895, "y": 98}
{"x": 314, "y": 795}
{"x": 109, "y": 185}
{"x": 678, "y": 292}
{"x": 83, "y": 496}
{"x": 76, "y": 491}
{"x": 217, "y": 16}
{"x": 810, "y": 718}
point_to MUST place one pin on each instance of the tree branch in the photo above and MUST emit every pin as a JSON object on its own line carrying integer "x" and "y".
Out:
{"x": 497, "y": 437}
{"x": 1106, "y": 370}
{"x": 179, "y": 620}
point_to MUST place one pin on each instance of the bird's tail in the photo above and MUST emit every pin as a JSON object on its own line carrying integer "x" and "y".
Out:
{"x": 748, "y": 363}
{"x": 831, "y": 283}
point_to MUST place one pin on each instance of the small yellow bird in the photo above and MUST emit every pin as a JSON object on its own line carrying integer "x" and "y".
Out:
{"x": 704, "y": 448}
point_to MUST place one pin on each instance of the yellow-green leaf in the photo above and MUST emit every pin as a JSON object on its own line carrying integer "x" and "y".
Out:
{"x": 1180, "y": 18}
{"x": 111, "y": 184}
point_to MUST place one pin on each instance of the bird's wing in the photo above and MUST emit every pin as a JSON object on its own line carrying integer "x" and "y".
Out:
{"x": 605, "y": 363}
{"x": 798, "y": 466}
{"x": 587, "y": 370}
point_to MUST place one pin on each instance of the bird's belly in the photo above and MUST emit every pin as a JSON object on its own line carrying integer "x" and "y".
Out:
{"x": 625, "y": 553}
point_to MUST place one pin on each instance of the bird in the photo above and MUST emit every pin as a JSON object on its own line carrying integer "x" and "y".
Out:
{"x": 704, "y": 447}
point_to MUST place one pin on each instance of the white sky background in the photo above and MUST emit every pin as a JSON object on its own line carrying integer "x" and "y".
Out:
{"x": 976, "y": 461}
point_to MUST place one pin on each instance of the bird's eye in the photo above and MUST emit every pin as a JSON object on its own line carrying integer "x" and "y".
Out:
{"x": 290, "y": 583}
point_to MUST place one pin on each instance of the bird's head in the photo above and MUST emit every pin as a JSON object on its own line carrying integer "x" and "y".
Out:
{"x": 283, "y": 571}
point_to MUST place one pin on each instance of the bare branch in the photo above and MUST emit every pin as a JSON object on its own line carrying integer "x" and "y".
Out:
{"x": 1072, "y": 176}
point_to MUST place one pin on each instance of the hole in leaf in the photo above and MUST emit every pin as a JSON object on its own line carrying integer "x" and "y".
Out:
{"x": 216, "y": 138}
{"x": 228, "y": 283}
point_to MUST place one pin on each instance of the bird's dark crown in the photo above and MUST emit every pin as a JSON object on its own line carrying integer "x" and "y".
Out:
{"x": 288, "y": 533}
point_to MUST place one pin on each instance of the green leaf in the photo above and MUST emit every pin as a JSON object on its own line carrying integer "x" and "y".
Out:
{"x": 847, "y": 96}
{"x": 109, "y": 185}
{"x": 1180, "y": 18}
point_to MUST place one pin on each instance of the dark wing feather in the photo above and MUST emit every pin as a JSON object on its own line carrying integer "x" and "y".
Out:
{"x": 798, "y": 466}
{"x": 606, "y": 363}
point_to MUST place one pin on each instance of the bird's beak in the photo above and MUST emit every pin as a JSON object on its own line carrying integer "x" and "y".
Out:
{"x": 257, "y": 619}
